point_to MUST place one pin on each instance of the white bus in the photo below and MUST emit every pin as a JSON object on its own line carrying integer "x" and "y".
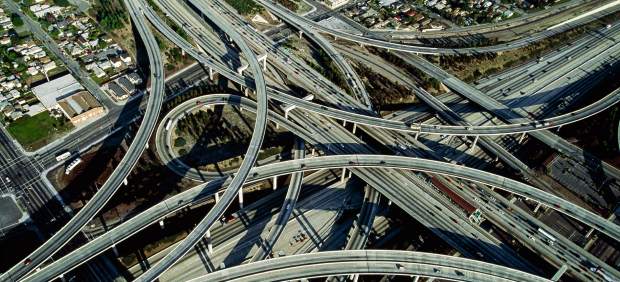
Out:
{"x": 168, "y": 124}
{"x": 72, "y": 165}
{"x": 63, "y": 156}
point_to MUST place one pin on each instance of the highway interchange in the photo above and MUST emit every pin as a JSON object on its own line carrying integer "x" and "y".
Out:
{"x": 329, "y": 136}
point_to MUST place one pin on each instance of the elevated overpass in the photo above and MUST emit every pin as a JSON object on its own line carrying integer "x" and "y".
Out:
{"x": 203, "y": 191}
{"x": 372, "y": 262}
{"x": 250, "y": 158}
{"x": 120, "y": 174}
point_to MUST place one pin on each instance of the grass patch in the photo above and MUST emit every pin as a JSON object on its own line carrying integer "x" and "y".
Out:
{"x": 37, "y": 131}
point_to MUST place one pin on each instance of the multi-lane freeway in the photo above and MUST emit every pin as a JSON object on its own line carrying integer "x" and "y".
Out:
{"x": 412, "y": 183}
{"x": 519, "y": 43}
{"x": 201, "y": 192}
{"x": 198, "y": 36}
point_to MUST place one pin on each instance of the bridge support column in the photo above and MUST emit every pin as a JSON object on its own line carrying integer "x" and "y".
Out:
{"x": 125, "y": 182}
{"x": 263, "y": 59}
{"x": 344, "y": 123}
{"x": 559, "y": 273}
{"x": 355, "y": 277}
{"x": 473, "y": 145}
{"x": 335, "y": 38}
{"x": 522, "y": 137}
{"x": 217, "y": 197}
{"x": 241, "y": 69}
{"x": 210, "y": 73}
{"x": 342, "y": 176}
{"x": 389, "y": 202}
{"x": 240, "y": 198}
{"x": 209, "y": 244}
{"x": 301, "y": 34}
{"x": 589, "y": 233}
{"x": 416, "y": 278}
{"x": 146, "y": 146}
{"x": 275, "y": 182}
{"x": 417, "y": 134}
{"x": 115, "y": 250}
{"x": 354, "y": 127}
{"x": 558, "y": 130}
{"x": 161, "y": 224}
{"x": 246, "y": 92}
{"x": 537, "y": 207}
{"x": 313, "y": 151}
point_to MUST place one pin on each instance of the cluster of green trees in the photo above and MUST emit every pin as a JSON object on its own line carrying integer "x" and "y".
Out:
{"x": 110, "y": 14}
{"x": 175, "y": 54}
{"x": 289, "y": 4}
{"x": 383, "y": 91}
{"x": 181, "y": 32}
{"x": 245, "y": 7}
{"x": 428, "y": 82}
{"x": 63, "y": 3}
{"x": 328, "y": 68}
{"x": 209, "y": 127}
{"x": 16, "y": 20}
{"x": 7, "y": 57}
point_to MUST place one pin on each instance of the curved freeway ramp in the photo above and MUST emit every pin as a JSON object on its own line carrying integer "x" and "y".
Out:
{"x": 250, "y": 157}
{"x": 387, "y": 262}
{"x": 155, "y": 100}
{"x": 203, "y": 191}
{"x": 467, "y": 130}
{"x": 437, "y": 167}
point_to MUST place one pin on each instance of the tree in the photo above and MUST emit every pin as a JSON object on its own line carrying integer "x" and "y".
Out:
{"x": 180, "y": 142}
{"x": 16, "y": 20}
{"x": 63, "y": 3}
